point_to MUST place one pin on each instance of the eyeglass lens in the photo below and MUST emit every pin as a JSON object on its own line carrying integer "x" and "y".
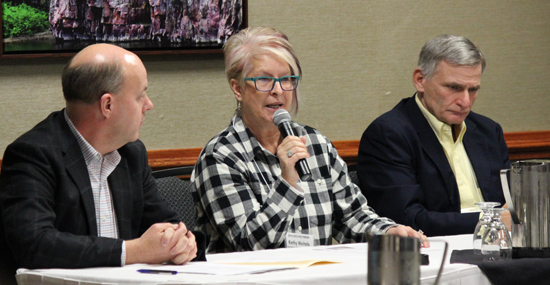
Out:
{"x": 267, "y": 83}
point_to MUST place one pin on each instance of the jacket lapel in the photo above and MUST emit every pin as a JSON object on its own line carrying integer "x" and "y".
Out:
{"x": 433, "y": 149}
{"x": 119, "y": 184}
{"x": 76, "y": 168}
{"x": 476, "y": 150}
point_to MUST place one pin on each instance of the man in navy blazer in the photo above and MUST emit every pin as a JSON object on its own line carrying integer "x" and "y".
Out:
{"x": 428, "y": 161}
{"x": 77, "y": 190}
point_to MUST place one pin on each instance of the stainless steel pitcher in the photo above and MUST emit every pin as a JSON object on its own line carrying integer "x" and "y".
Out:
{"x": 528, "y": 200}
{"x": 396, "y": 260}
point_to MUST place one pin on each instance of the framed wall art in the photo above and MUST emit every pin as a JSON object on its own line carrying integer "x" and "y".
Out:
{"x": 49, "y": 28}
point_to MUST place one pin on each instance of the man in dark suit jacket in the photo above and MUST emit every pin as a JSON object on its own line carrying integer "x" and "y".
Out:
{"x": 427, "y": 161}
{"x": 52, "y": 214}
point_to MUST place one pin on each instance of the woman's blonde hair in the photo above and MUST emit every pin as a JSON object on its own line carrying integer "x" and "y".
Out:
{"x": 252, "y": 43}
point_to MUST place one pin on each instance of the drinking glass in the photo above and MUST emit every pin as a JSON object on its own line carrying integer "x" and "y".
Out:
{"x": 483, "y": 223}
{"x": 496, "y": 243}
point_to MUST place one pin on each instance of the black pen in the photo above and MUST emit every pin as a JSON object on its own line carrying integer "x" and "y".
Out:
{"x": 153, "y": 271}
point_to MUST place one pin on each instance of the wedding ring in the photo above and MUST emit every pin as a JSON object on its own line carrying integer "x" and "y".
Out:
{"x": 289, "y": 153}
{"x": 420, "y": 231}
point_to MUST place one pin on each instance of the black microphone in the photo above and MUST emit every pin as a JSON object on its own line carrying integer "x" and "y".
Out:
{"x": 281, "y": 119}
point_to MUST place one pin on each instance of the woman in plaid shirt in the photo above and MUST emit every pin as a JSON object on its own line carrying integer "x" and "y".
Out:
{"x": 248, "y": 193}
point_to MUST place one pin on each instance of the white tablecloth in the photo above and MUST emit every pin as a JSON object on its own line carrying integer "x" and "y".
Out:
{"x": 351, "y": 270}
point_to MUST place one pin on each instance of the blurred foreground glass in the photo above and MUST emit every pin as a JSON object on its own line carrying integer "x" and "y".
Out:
{"x": 395, "y": 259}
{"x": 483, "y": 223}
{"x": 496, "y": 243}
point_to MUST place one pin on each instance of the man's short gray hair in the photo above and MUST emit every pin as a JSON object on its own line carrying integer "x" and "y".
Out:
{"x": 456, "y": 50}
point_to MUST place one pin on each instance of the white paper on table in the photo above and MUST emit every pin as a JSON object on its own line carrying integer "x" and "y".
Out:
{"x": 242, "y": 267}
{"x": 224, "y": 269}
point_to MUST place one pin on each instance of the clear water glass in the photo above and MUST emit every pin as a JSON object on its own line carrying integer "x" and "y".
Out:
{"x": 483, "y": 223}
{"x": 496, "y": 243}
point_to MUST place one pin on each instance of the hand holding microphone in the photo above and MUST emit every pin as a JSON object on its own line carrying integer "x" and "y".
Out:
{"x": 281, "y": 119}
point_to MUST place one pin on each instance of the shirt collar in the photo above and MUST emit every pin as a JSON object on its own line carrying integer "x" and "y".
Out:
{"x": 437, "y": 125}
{"x": 88, "y": 151}
{"x": 249, "y": 142}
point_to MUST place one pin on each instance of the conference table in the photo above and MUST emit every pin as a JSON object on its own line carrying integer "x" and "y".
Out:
{"x": 335, "y": 264}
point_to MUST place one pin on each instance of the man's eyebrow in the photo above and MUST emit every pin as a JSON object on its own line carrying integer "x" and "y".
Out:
{"x": 454, "y": 84}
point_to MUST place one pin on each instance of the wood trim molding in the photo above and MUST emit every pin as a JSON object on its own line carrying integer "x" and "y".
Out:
{"x": 168, "y": 158}
{"x": 528, "y": 145}
{"x": 521, "y": 145}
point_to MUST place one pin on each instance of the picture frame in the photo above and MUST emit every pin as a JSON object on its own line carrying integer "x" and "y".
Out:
{"x": 146, "y": 27}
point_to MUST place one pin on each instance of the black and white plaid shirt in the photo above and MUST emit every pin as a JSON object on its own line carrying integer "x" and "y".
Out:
{"x": 244, "y": 204}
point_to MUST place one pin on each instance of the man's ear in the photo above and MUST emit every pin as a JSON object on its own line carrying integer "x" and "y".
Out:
{"x": 418, "y": 80}
{"x": 237, "y": 89}
{"x": 106, "y": 104}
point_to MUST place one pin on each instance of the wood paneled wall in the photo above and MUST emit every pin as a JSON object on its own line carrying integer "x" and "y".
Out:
{"x": 521, "y": 145}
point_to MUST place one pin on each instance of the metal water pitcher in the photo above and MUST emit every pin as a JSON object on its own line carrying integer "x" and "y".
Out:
{"x": 528, "y": 199}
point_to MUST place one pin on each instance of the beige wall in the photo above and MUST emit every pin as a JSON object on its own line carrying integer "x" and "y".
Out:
{"x": 357, "y": 58}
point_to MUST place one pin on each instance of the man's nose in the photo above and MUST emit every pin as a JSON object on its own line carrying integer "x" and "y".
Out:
{"x": 149, "y": 104}
{"x": 465, "y": 99}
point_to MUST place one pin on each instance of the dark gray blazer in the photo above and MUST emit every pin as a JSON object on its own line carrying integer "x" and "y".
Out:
{"x": 47, "y": 208}
{"x": 405, "y": 175}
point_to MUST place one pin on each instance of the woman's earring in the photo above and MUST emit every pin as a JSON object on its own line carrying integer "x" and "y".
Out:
{"x": 238, "y": 111}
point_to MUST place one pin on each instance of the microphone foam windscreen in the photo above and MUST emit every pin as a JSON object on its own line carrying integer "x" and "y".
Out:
{"x": 280, "y": 116}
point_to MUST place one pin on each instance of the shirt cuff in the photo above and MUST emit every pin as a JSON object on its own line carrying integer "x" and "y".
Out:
{"x": 389, "y": 227}
{"x": 298, "y": 190}
{"x": 123, "y": 254}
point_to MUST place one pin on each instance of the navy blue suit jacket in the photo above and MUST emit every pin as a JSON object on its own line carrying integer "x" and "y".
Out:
{"x": 405, "y": 175}
{"x": 47, "y": 209}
